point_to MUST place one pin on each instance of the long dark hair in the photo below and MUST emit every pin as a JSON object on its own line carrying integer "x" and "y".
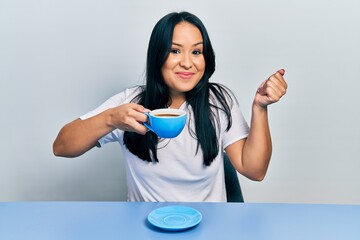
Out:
{"x": 155, "y": 93}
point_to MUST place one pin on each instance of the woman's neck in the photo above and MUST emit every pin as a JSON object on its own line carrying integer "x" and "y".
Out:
{"x": 177, "y": 101}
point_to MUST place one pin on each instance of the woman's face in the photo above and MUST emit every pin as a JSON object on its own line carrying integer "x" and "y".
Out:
{"x": 185, "y": 65}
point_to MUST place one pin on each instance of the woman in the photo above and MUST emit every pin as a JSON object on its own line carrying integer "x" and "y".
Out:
{"x": 180, "y": 62}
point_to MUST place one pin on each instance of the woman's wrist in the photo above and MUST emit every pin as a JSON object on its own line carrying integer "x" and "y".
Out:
{"x": 108, "y": 116}
{"x": 258, "y": 108}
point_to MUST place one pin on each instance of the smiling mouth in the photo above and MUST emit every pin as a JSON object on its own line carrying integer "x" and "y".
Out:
{"x": 185, "y": 75}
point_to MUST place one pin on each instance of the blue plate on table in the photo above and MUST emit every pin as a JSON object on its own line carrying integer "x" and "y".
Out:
{"x": 174, "y": 218}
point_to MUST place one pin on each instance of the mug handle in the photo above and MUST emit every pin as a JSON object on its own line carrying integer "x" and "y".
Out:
{"x": 146, "y": 124}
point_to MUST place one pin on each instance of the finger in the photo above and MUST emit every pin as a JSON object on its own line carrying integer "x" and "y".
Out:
{"x": 279, "y": 79}
{"x": 141, "y": 129}
{"x": 279, "y": 75}
{"x": 137, "y": 112}
{"x": 272, "y": 95}
{"x": 281, "y": 71}
{"x": 269, "y": 83}
{"x": 140, "y": 117}
{"x": 138, "y": 107}
{"x": 134, "y": 126}
{"x": 277, "y": 84}
{"x": 260, "y": 90}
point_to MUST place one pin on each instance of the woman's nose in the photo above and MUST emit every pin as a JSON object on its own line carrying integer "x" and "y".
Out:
{"x": 186, "y": 61}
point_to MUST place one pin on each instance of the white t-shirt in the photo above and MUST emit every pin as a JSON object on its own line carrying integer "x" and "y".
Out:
{"x": 180, "y": 175}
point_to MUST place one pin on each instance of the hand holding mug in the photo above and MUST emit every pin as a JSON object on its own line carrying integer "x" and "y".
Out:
{"x": 129, "y": 117}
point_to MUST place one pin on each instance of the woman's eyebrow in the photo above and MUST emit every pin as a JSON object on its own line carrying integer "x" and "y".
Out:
{"x": 180, "y": 45}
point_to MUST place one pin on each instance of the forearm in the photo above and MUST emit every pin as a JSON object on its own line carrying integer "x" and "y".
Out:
{"x": 258, "y": 147}
{"x": 251, "y": 156}
{"x": 79, "y": 136}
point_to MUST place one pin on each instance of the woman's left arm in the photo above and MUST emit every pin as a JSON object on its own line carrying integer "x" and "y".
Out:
{"x": 251, "y": 156}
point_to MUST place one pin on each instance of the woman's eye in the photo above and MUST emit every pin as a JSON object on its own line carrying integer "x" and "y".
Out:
{"x": 175, "y": 51}
{"x": 197, "y": 52}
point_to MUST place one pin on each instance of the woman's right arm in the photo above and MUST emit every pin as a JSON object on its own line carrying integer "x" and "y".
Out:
{"x": 79, "y": 136}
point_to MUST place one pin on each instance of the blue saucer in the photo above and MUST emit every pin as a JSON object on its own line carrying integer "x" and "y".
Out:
{"x": 174, "y": 218}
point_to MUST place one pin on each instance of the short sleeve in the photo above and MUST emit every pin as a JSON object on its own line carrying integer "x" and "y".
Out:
{"x": 121, "y": 98}
{"x": 239, "y": 127}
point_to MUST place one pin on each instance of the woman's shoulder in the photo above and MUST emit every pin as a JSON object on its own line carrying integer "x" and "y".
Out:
{"x": 220, "y": 87}
{"x": 128, "y": 94}
{"x": 220, "y": 92}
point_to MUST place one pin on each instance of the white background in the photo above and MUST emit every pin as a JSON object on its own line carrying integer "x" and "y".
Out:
{"x": 60, "y": 59}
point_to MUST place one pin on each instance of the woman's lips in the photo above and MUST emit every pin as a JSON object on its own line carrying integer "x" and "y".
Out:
{"x": 185, "y": 75}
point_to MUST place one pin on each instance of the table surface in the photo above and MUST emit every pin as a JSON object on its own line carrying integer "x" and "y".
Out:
{"x": 128, "y": 220}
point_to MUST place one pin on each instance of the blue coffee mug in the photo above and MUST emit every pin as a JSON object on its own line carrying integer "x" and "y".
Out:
{"x": 166, "y": 122}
